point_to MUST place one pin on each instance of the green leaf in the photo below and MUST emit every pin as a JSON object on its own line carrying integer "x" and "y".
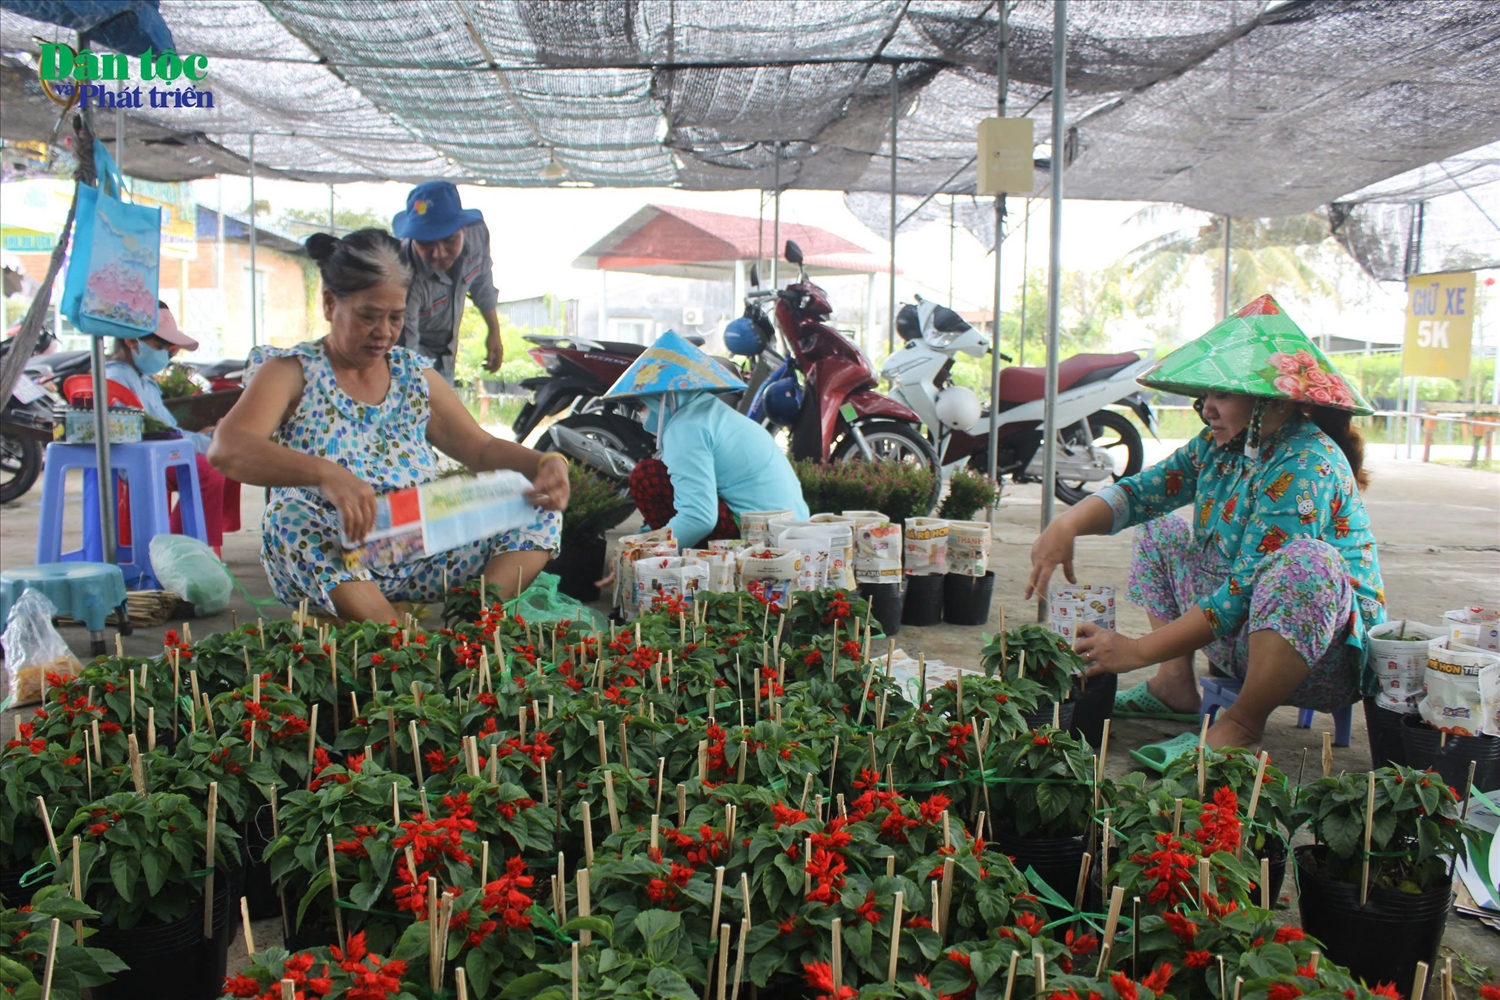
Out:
{"x": 156, "y": 875}
{"x": 603, "y": 926}
{"x": 121, "y": 872}
{"x": 364, "y": 894}
{"x": 666, "y": 981}
{"x": 524, "y": 986}
{"x": 658, "y": 929}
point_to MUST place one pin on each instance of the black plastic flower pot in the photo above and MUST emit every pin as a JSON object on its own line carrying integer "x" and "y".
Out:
{"x": 966, "y": 599}
{"x": 1274, "y": 851}
{"x": 1379, "y": 942}
{"x": 1043, "y": 715}
{"x": 260, "y": 892}
{"x": 1092, "y": 704}
{"x": 924, "y": 601}
{"x": 1449, "y": 756}
{"x": 1386, "y": 746}
{"x": 578, "y": 565}
{"x": 886, "y": 604}
{"x": 171, "y": 961}
{"x": 1056, "y": 859}
{"x": 11, "y": 892}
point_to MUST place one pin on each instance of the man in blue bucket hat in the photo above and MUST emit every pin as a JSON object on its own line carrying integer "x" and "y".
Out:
{"x": 448, "y": 248}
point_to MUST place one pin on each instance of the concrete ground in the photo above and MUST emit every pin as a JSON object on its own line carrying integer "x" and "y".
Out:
{"x": 1439, "y": 532}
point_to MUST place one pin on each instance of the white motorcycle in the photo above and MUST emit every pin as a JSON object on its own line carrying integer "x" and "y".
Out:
{"x": 1094, "y": 445}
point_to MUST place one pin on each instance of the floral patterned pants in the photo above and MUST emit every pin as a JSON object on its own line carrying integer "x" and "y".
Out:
{"x": 303, "y": 558}
{"x": 1301, "y": 592}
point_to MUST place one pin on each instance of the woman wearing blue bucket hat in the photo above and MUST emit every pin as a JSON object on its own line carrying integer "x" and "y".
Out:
{"x": 448, "y": 249}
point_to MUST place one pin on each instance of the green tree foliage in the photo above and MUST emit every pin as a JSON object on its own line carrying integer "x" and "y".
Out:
{"x": 302, "y": 223}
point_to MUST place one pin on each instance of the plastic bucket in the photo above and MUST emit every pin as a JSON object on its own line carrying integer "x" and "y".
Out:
{"x": 1092, "y": 704}
{"x": 1385, "y": 726}
{"x": 1056, "y": 859}
{"x": 924, "y": 600}
{"x": 171, "y": 961}
{"x": 1381, "y": 941}
{"x": 966, "y": 599}
{"x": 885, "y": 604}
{"x": 1426, "y": 749}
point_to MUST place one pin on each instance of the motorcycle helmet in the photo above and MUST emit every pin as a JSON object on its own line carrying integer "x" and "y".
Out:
{"x": 740, "y": 337}
{"x": 958, "y": 408}
{"x": 908, "y": 323}
{"x": 783, "y": 401}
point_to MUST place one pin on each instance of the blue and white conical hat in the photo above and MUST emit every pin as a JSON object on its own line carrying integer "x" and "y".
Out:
{"x": 672, "y": 365}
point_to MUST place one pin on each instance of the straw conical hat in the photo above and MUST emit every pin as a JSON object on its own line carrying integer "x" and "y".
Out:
{"x": 1258, "y": 351}
{"x": 672, "y": 365}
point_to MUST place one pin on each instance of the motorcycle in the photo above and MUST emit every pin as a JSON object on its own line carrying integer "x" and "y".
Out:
{"x": 579, "y": 370}
{"x": 1094, "y": 444}
{"x": 837, "y": 415}
{"x": 26, "y": 420}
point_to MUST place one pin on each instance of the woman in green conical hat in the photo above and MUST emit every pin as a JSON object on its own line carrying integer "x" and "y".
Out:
{"x": 1274, "y": 574}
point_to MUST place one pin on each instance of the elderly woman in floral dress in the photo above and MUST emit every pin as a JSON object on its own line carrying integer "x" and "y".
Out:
{"x": 1274, "y": 575}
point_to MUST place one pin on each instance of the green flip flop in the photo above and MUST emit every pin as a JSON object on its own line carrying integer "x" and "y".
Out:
{"x": 1158, "y": 756}
{"x": 1139, "y": 703}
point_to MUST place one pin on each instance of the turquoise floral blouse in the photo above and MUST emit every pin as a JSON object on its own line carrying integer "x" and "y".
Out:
{"x": 1302, "y": 486}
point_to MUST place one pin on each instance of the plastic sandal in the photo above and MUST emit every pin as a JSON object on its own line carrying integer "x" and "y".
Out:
{"x": 1139, "y": 703}
{"x": 1157, "y": 756}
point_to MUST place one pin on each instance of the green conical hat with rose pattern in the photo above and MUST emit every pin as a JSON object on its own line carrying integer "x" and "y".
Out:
{"x": 1258, "y": 351}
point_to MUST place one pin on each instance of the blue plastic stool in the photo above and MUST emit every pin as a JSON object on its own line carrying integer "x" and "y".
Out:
{"x": 1221, "y": 692}
{"x": 87, "y": 591}
{"x": 144, "y": 465}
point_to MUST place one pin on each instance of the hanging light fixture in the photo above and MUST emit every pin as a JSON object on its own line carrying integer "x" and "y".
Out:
{"x": 553, "y": 170}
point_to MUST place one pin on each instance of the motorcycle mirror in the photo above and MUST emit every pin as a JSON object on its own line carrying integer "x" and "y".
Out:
{"x": 793, "y": 252}
{"x": 754, "y": 275}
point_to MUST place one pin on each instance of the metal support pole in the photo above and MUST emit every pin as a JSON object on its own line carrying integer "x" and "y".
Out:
{"x": 1228, "y": 235}
{"x": 890, "y": 333}
{"x": 1054, "y": 254}
{"x": 776, "y": 219}
{"x": 254, "y": 283}
{"x": 333, "y": 228}
{"x": 104, "y": 471}
{"x": 1025, "y": 246}
{"x": 1002, "y": 90}
{"x": 952, "y": 228}
{"x": 1413, "y": 265}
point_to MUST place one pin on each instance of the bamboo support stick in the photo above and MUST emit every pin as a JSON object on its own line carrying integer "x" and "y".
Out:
{"x": 1419, "y": 981}
{"x": 333, "y": 888}
{"x": 588, "y": 835}
{"x": 1364, "y": 879}
{"x": 718, "y": 895}
{"x": 78, "y": 885}
{"x": 739, "y": 958}
{"x": 890, "y": 973}
{"x": 1010, "y": 977}
{"x": 838, "y": 956}
{"x": 1265, "y": 884}
{"x": 1111, "y": 924}
{"x": 245, "y": 926}
{"x": 210, "y": 848}
{"x": 52, "y": 950}
{"x": 137, "y": 772}
{"x": 51, "y": 837}
{"x": 609, "y": 798}
{"x": 416, "y": 754}
{"x": 574, "y": 951}
{"x": 1083, "y": 881}
{"x": 585, "y": 903}
{"x": 724, "y": 956}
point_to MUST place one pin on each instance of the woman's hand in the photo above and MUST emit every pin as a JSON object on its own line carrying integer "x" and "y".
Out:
{"x": 1053, "y": 548}
{"x": 550, "y": 486}
{"x": 1107, "y": 652}
{"x": 354, "y": 498}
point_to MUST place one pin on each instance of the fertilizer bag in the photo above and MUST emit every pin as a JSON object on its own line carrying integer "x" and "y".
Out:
{"x": 1073, "y": 604}
{"x": 1397, "y": 653}
{"x": 1453, "y": 682}
{"x": 188, "y": 568}
{"x": 877, "y": 548}
{"x": 1474, "y": 626}
{"x": 664, "y": 578}
{"x": 968, "y": 548}
{"x": 33, "y": 649}
{"x": 926, "y": 546}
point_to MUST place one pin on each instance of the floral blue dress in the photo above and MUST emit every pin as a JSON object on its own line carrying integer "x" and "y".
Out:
{"x": 1279, "y": 542}
{"x": 385, "y": 445}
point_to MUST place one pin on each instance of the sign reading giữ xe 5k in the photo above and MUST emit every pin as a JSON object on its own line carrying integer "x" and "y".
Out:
{"x": 1439, "y": 324}
{"x": 60, "y": 65}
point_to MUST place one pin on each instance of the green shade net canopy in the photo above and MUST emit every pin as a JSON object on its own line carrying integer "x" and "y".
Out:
{"x": 1258, "y": 351}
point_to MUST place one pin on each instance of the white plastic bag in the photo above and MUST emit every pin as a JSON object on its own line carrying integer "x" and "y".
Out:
{"x": 721, "y": 568}
{"x": 32, "y": 650}
{"x": 841, "y": 555}
{"x": 771, "y": 574}
{"x": 1474, "y": 626}
{"x": 816, "y": 546}
{"x": 756, "y": 526}
{"x": 1071, "y": 604}
{"x": 877, "y": 547}
{"x": 189, "y": 569}
{"x": 663, "y": 578}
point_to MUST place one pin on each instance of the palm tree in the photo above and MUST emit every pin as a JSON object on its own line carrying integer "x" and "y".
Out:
{"x": 1266, "y": 255}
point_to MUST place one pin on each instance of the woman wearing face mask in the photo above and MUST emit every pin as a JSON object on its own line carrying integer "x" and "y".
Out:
{"x": 132, "y": 365}
{"x": 1276, "y": 577}
{"x": 329, "y": 425}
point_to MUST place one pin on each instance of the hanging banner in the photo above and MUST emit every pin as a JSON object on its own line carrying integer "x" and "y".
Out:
{"x": 1439, "y": 324}
{"x": 1005, "y": 156}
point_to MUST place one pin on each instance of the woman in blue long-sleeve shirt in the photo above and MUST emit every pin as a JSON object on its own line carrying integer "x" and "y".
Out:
{"x": 715, "y": 463}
